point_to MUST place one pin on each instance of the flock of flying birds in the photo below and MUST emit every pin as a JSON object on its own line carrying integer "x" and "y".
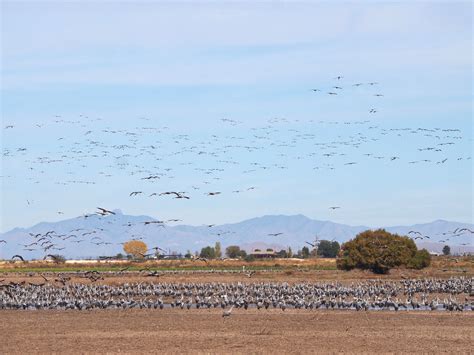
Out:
{"x": 160, "y": 163}
{"x": 458, "y": 232}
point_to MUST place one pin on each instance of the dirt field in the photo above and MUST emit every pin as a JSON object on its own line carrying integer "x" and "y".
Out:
{"x": 282, "y": 270}
{"x": 251, "y": 331}
{"x": 204, "y": 331}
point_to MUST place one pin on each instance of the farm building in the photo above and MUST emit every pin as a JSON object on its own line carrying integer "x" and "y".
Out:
{"x": 263, "y": 254}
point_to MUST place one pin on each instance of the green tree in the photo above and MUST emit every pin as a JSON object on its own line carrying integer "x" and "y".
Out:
{"x": 446, "y": 250}
{"x": 218, "y": 250}
{"x": 233, "y": 251}
{"x": 208, "y": 252}
{"x": 305, "y": 252}
{"x": 289, "y": 253}
{"x": 328, "y": 249}
{"x": 282, "y": 254}
{"x": 379, "y": 251}
{"x": 249, "y": 258}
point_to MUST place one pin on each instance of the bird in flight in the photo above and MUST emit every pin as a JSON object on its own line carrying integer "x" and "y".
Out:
{"x": 275, "y": 234}
{"x": 213, "y": 193}
{"x": 151, "y": 177}
{"x": 104, "y": 212}
{"x": 334, "y": 207}
{"x": 134, "y": 193}
{"x": 177, "y": 194}
{"x": 154, "y": 222}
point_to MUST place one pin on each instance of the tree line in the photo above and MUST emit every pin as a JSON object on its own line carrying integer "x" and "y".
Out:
{"x": 375, "y": 250}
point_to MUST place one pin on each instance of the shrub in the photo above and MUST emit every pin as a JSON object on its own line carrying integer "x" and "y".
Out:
{"x": 58, "y": 259}
{"x": 379, "y": 251}
{"x": 249, "y": 257}
{"x": 305, "y": 252}
{"x": 421, "y": 260}
{"x": 446, "y": 250}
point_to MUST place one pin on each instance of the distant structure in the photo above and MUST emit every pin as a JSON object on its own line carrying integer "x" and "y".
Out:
{"x": 263, "y": 254}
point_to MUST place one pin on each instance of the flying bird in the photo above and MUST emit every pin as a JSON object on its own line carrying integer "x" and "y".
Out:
{"x": 104, "y": 212}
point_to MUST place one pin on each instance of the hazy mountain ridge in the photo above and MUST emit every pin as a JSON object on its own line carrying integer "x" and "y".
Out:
{"x": 115, "y": 229}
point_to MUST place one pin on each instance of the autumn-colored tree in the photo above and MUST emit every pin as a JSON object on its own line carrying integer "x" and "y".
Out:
{"x": 379, "y": 251}
{"x": 135, "y": 248}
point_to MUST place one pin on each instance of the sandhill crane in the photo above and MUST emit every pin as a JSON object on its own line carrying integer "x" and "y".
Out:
{"x": 104, "y": 211}
{"x": 228, "y": 312}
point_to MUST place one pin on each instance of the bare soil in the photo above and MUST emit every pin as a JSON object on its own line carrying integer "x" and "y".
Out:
{"x": 254, "y": 331}
{"x": 251, "y": 331}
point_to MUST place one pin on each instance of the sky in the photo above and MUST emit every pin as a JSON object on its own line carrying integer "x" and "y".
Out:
{"x": 166, "y": 74}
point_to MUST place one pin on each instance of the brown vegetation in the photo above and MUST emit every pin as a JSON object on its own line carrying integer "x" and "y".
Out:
{"x": 135, "y": 248}
{"x": 380, "y": 251}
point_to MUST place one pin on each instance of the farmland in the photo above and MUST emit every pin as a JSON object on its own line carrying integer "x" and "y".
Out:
{"x": 139, "y": 331}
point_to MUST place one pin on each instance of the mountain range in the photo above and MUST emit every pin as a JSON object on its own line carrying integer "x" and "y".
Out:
{"x": 97, "y": 235}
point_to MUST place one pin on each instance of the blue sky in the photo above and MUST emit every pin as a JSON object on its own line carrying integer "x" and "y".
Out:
{"x": 186, "y": 66}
